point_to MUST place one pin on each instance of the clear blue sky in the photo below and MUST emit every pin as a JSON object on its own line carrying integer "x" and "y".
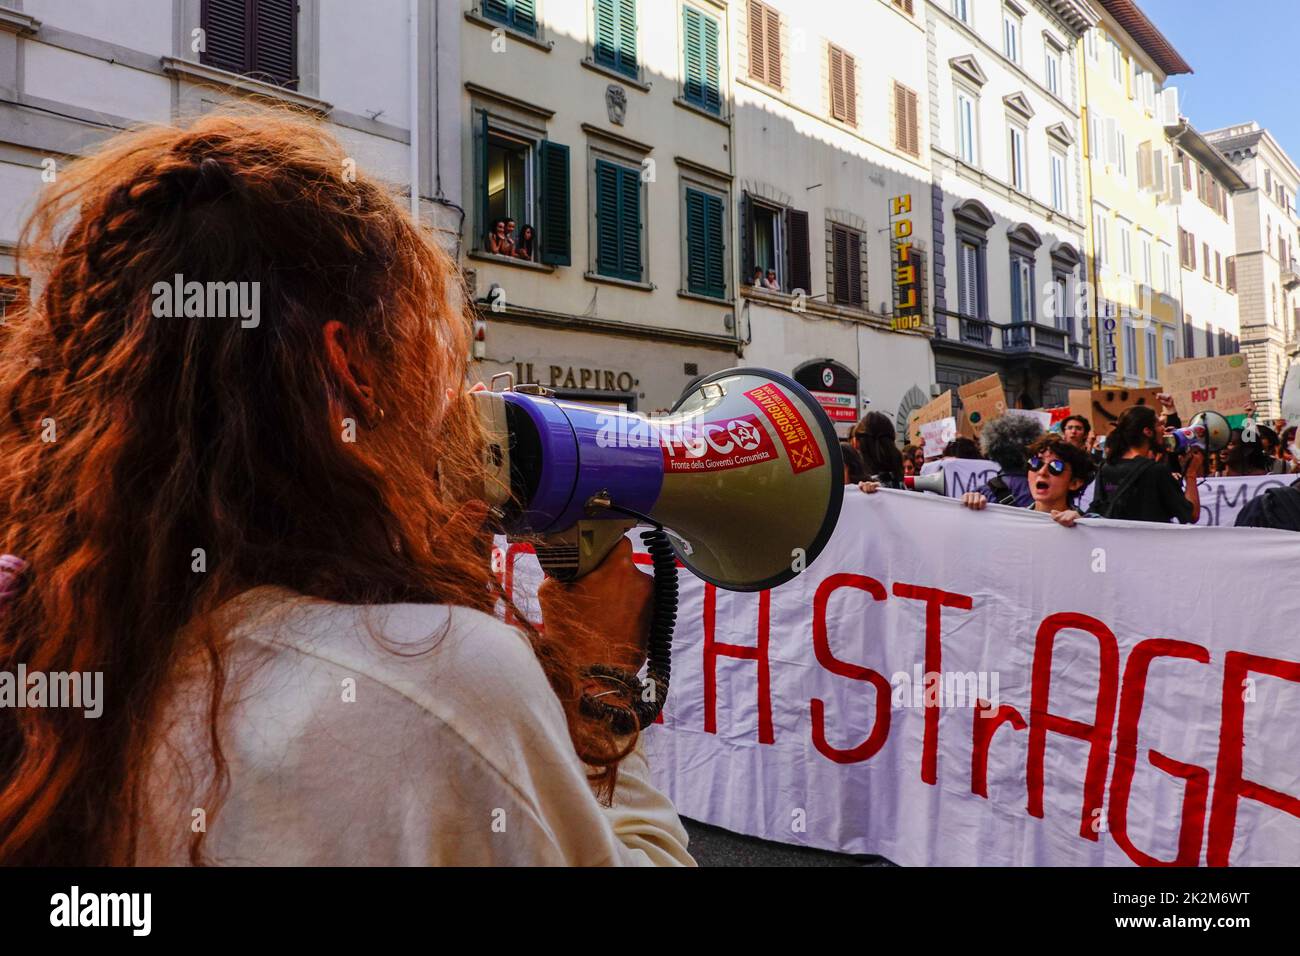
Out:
{"x": 1244, "y": 64}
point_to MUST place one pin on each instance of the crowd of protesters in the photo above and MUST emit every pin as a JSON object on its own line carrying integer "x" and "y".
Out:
{"x": 1138, "y": 472}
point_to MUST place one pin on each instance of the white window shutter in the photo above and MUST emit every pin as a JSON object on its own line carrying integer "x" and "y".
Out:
{"x": 1145, "y": 174}
{"x": 1170, "y": 97}
{"x": 1112, "y": 142}
{"x": 1159, "y": 172}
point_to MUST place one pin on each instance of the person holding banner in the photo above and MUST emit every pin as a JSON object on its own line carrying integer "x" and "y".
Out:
{"x": 1133, "y": 486}
{"x": 877, "y": 442}
{"x": 1057, "y": 472}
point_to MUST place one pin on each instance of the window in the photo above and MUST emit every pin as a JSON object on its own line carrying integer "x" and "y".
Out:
{"x": 1130, "y": 348}
{"x": 904, "y": 5}
{"x": 1022, "y": 288}
{"x": 1061, "y": 303}
{"x": 700, "y": 50}
{"x": 1011, "y": 36}
{"x": 967, "y": 127}
{"x": 1205, "y": 259}
{"x": 1189, "y": 338}
{"x": 764, "y": 44}
{"x": 844, "y": 86}
{"x": 520, "y": 15}
{"x": 1170, "y": 353}
{"x": 1218, "y": 269}
{"x": 1116, "y": 61}
{"x": 1058, "y": 181}
{"x": 907, "y": 134}
{"x": 1121, "y": 149}
{"x": 961, "y": 10}
{"x": 706, "y": 246}
{"x": 525, "y": 179}
{"x": 1231, "y": 270}
{"x": 1166, "y": 270}
{"x": 615, "y": 47}
{"x": 1186, "y": 249}
{"x": 1153, "y": 371}
{"x": 1016, "y": 157}
{"x": 1145, "y": 249}
{"x": 1101, "y": 236}
{"x": 258, "y": 38}
{"x": 1090, "y": 42}
{"x": 775, "y": 244}
{"x": 1125, "y": 248}
{"x": 1209, "y": 340}
{"x": 846, "y": 265}
{"x": 618, "y": 221}
{"x": 1052, "y": 69}
{"x": 970, "y": 268}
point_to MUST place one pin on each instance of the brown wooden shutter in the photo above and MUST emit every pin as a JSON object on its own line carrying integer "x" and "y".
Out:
{"x": 905, "y": 6}
{"x": 773, "y": 38}
{"x": 757, "y": 48}
{"x": 800, "y": 266}
{"x": 906, "y": 129}
{"x": 840, "y": 264}
{"x": 855, "y": 269}
{"x": 1232, "y": 273}
{"x": 837, "y": 83}
{"x": 850, "y": 89}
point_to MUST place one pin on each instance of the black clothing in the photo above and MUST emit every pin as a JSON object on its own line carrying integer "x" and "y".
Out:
{"x": 1275, "y": 508}
{"x": 1139, "y": 489}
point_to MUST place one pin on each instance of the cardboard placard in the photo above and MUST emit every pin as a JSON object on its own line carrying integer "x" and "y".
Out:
{"x": 982, "y": 401}
{"x": 1220, "y": 384}
{"x": 936, "y": 435}
{"x": 1103, "y": 406}
{"x": 1042, "y": 416}
{"x": 932, "y": 411}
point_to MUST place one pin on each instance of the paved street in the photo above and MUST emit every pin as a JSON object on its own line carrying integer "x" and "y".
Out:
{"x": 713, "y": 846}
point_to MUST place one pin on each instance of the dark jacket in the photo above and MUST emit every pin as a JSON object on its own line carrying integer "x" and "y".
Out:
{"x": 1017, "y": 484}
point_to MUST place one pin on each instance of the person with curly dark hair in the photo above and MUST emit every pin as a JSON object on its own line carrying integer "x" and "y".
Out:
{"x": 1005, "y": 442}
{"x": 1057, "y": 471}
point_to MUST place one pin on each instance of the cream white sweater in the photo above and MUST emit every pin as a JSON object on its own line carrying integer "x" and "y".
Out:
{"x": 392, "y": 735}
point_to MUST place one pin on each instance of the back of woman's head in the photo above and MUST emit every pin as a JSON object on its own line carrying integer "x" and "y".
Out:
{"x": 1130, "y": 431}
{"x": 876, "y": 439}
{"x": 162, "y": 454}
{"x": 1005, "y": 440}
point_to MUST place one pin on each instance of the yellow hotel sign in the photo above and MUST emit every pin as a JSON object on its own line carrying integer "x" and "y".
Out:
{"x": 909, "y": 305}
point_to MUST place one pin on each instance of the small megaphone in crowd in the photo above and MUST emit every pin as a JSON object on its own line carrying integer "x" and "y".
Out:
{"x": 934, "y": 482}
{"x": 742, "y": 483}
{"x": 1207, "y": 430}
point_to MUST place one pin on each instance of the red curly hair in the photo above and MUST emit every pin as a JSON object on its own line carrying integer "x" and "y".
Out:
{"x": 175, "y": 434}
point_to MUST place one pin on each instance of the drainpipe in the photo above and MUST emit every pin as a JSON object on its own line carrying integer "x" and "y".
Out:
{"x": 1096, "y": 276}
{"x": 414, "y": 108}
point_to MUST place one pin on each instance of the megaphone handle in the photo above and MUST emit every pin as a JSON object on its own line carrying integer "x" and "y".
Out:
{"x": 645, "y": 708}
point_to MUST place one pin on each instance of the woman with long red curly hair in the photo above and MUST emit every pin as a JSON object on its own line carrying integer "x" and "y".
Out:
{"x": 240, "y": 524}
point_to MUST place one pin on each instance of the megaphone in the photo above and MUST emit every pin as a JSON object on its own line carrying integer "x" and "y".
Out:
{"x": 1207, "y": 430}
{"x": 742, "y": 483}
{"x": 933, "y": 482}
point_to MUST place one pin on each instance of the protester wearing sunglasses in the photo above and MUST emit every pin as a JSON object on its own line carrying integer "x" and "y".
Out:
{"x": 1057, "y": 472}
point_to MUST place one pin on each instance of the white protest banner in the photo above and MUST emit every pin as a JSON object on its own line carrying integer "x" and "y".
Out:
{"x": 1041, "y": 416}
{"x": 936, "y": 435}
{"x": 961, "y": 475}
{"x": 1221, "y": 498}
{"x": 1080, "y": 709}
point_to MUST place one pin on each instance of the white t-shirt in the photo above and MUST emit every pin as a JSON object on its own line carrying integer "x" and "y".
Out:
{"x": 398, "y": 734}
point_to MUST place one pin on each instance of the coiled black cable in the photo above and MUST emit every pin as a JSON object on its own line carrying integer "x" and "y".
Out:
{"x": 663, "y": 619}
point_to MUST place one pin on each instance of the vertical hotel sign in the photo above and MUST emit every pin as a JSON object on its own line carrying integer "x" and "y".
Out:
{"x": 909, "y": 301}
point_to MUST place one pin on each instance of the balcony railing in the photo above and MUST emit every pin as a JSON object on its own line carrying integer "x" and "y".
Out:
{"x": 1290, "y": 273}
{"x": 1014, "y": 337}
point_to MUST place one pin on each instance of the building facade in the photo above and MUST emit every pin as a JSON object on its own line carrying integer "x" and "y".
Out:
{"x": 1132, "y": 227}
{"x": 71, "y": 75}
{"x": 833, "y": 199}
{"x": 1205, "y": 184}
{"x": 604, "y": 128}
{"x": 1267, "y": 276}
{"x": 1008, "y": 195}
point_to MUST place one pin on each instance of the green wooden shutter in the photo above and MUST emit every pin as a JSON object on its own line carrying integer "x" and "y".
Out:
{"x": 497, "y": 10}
{"x": 553, "y": 239}
{"x": 607, "y": 216}
{"x": 616, "y": 35}
{"x": 697, "y": 278}
{"x": 523, "y": 15}
{"x": 715, "y": 248}
{"x": 630, "y": 223}
{"x": 700, "y": 35}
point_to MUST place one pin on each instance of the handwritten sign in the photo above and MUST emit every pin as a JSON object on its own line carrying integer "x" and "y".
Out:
{"x": 1220, "y": 384}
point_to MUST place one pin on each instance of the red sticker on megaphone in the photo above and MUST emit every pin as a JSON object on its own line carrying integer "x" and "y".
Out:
{"x": 716, "y": 446}
{"x": 800, "y": 443}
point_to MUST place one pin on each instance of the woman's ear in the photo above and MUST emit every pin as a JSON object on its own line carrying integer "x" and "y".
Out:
{"x": 350, "y": 368}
